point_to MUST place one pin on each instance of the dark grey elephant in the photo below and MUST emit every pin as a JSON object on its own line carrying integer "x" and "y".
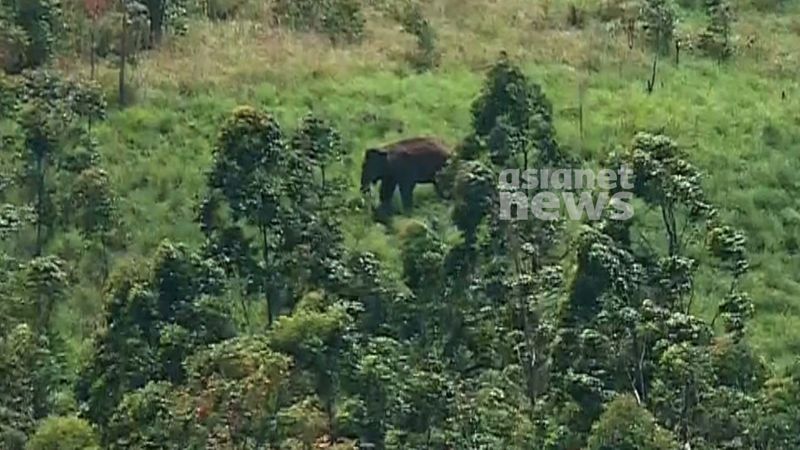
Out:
{"x": 403, "y": 164}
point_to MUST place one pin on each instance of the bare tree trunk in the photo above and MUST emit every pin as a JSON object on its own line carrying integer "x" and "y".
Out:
{"x": 265, "y": 256}
{"x": 651, "y": 83}
{"x": 123, "y": 56}
{"x": 40, "y": 192}
{"x": 92, "y": 48}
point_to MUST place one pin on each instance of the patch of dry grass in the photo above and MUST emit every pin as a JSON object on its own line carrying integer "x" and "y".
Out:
{"x": 223, "y": 55}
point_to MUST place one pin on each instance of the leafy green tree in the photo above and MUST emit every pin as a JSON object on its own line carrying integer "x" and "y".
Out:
{"x": 13, "y": 39}
{"x": 318, "y": 143}
{"x": 41, "y": 145}
{"x": 515, "y": 115}
{"x": 776, "y": 422}
{"x": 683, "y": 382}
{"x": 45, "y": 284}
{"x": 248, "y": 161}
{"x": 658, "y": 18}
{"x": 32, "y": 29}
{"x": 54, "y": 118}
{"x": 156, "y": 316}
{"x": 627, "y": 327}
{"x": 626, "y": 425}
{"x": 95, "y": 203}
{"x": 305, "y": 423}
{"x": 26, "y": 368}
{"x": 378, "y": 372}
{"x": 134, "y": 31}
{"x": 717, "y": 39}
{"x": 235, "y": 388}
{"x": 665, "y": 179}
{"x": 260, "y": 182}
{"x": 317, "y": 336}
{"x": 475, "y": 198}
{"x": 145, "y": 418}
{"x": 63, "y": 433}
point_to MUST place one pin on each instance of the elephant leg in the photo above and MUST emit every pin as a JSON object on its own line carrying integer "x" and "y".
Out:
{"x": 388, "y": 185}
{"x": 407, "y": 194}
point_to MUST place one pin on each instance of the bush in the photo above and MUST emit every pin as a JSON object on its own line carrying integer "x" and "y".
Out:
{"x": 63, "y": 433}
{"x": 340, "y": 20}
{"x": 658, "y": 19}
{"x": 716, "y": 40}
{"x": 769, "y": 5}
{"x": 28, "y": 32}
{"x": 222, "y": 9}
{"x": 414, "y": 22}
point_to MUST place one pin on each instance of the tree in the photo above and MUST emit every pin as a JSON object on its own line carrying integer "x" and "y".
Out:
{"x": 235, "y": 388}
{"x": 776, "y": 415}
{"x": 52, "y": 117}
{"x": 516, "y": 117}
{"x": 258, "y": 182}
{"x": 144, "y": 418}
{"x": 475, "y": 198}
{"x": 26, "y": 370}
{"x": 31, "y": 29}
{"x": 318, "y": 143}
{"x": 664, "y": 178}
{"x": 626, "y": 425}
{"x": 248, "y": 160}
{"x": 41, "y": 145}
{"x": 317, "y": 336}
{"x": 94, "y": 202}
{"x": 63, "y": 433}
{"x": 658, "y": 19}
{"x": 716, "y": 38}
{"x": 156, "y": 316}
{"x": 132, "y": 15}
{"x": 45, "y": 283}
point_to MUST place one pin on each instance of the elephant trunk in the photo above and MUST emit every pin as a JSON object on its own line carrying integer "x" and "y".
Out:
{"x": 366, "y": 182}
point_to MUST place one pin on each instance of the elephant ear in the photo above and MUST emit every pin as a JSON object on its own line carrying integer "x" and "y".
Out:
{"x": 375, "y": 157}
{"x": 374, "y": 153}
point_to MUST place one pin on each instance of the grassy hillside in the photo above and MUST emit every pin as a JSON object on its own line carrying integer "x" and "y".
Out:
{"x": 738, "y": 119}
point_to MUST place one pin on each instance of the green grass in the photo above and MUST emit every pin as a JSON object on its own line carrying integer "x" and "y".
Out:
{"x": 731, "y": 119}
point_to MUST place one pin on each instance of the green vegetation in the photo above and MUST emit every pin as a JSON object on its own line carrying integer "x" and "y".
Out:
{"x": 187, "y": 262}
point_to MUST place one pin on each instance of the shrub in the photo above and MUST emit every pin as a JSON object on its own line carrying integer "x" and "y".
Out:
{"x": 63, "y": 433}
{"x": 770, "y": 5}
{"x": 715, "y": 40}
{"x": 414, "y": 22}
{"x": 28, "y": 32}
{"x": 575, "y": 16}
{"x": 658, "y": 22}
{"x": 222, "y": 9}
{"x": 340, "y": 20}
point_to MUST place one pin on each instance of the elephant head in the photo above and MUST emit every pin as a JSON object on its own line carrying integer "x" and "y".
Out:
{"x": 373, "y": 168}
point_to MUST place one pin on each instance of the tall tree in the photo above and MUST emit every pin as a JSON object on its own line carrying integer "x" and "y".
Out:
{"x": 249, "y": 158}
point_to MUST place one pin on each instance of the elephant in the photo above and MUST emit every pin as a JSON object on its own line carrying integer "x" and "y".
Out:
{"x": 403, "y": 164}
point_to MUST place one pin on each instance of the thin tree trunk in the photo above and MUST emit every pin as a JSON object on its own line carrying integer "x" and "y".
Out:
{"x": 123, "y": 56}
{"x": 651, "y": 84}
{"x": 92, "y": 48}
{"x": 40, "y": 190}
{"x": 265, "y": 257}
{"x": 104, "y": 249}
